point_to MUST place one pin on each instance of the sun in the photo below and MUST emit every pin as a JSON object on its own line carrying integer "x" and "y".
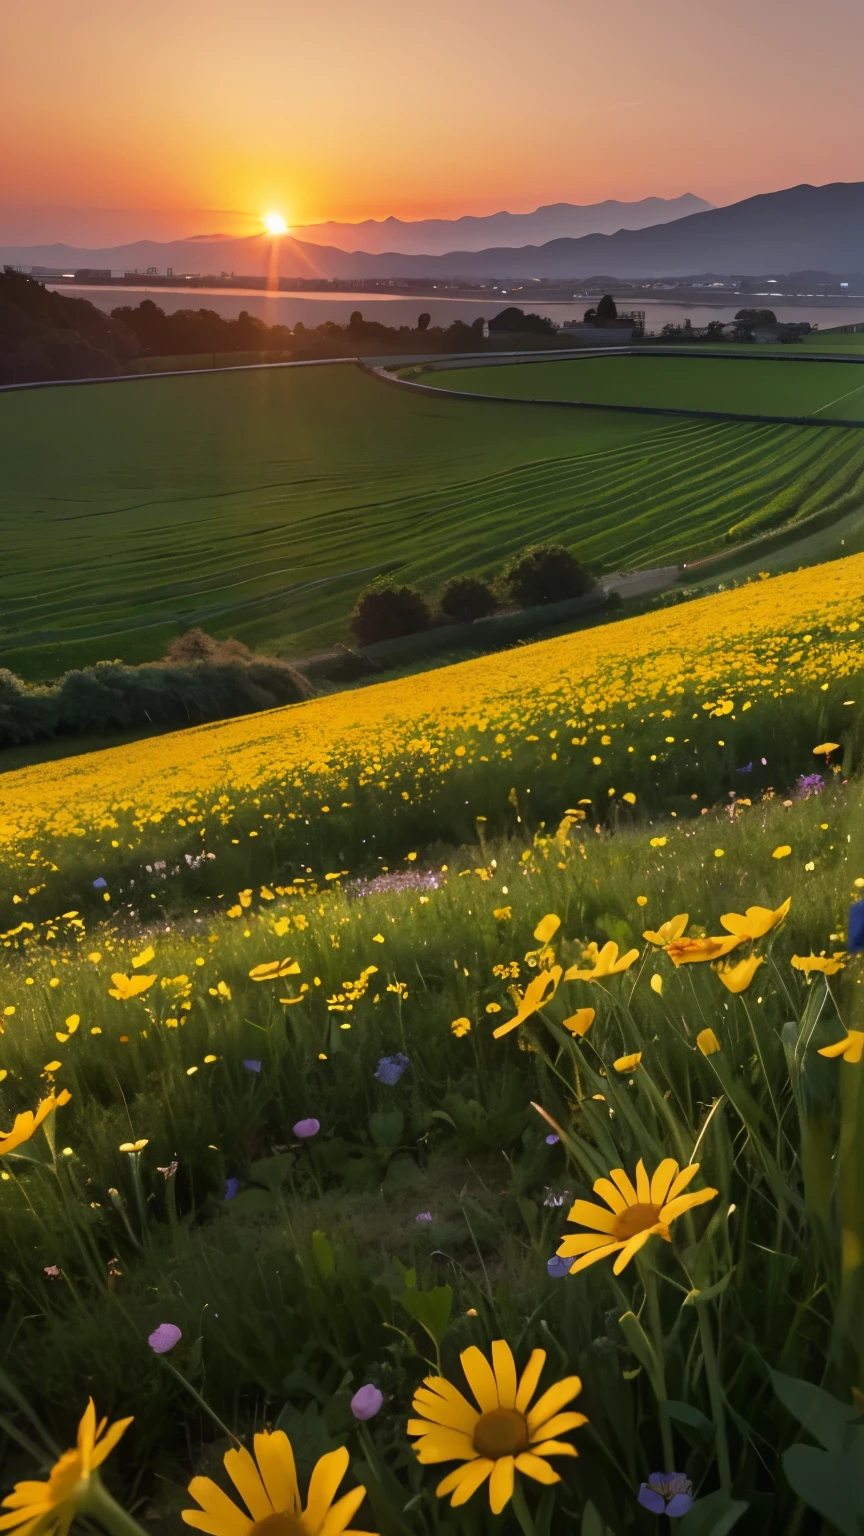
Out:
{"x": 275, "y": 224}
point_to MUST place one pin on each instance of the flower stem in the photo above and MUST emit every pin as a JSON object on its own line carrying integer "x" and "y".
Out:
{"x": 715, "y": 1392}
{"x": 99, "y": 1503}
{"x": 522, "y": 1512}
{"x": 655, "y": 1323}
{"x": 202, "y": 1403}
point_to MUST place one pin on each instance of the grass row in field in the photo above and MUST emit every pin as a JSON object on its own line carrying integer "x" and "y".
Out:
{"x": 259, "y": 504}
{"x": 767, "y": 387}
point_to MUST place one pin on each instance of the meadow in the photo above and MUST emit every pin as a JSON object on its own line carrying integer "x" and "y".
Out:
{"x": 259, "y": 504}
{"x": 336, "y": 1023}
{"x": 755, "y": 386}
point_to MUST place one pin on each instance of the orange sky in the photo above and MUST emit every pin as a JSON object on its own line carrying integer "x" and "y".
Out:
{"x": 347, "y": 110}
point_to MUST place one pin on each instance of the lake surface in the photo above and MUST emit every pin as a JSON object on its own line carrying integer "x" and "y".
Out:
{"x": 314, "y": 308}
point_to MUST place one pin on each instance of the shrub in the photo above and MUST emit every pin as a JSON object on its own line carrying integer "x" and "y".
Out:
{"x": 385, "y": 611}
{"x": 466, "y": 598}
{"x": 546, "y": 573}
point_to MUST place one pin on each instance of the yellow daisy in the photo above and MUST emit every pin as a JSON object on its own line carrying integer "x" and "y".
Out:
{"x": 633, "y": 1216}
{"x": 503, "y": 1434}
{"x": 29, "y": 1122}
{"x": 267, "y": 1484}
{"x": 50, "y": 1507}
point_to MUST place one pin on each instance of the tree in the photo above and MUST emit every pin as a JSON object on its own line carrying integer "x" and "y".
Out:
{"x": 387, "y": 611}
{"x": 423, "y": 322}
{"x": 466, "y": 598}
{"x": 513, "y": 319}
{"x": 546, "y": 573}
{"x": 756, "y": 317}
{"x": 607, "y": 309}
{"x": 355, "y": 319}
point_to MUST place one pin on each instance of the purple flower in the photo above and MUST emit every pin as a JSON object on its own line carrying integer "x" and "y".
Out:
{"x": 423, "y": 1216}
{"x": 764, "y": 762}
{"x": 252, "y": 1066}
{"x": 809, "y": 784}
{"x": 231, "y": 1188}
{"x": 306, "y": 1128}
{"x": 163, "y": 1338}
{"x": 390, "y": 1069}
{"x": 667, "y": 1493}
{"x": 367, "y": 1402}
{"x": 100, "y": 884}
{"x": 557, "y": 1268}
{"x": 552, "y": 1140}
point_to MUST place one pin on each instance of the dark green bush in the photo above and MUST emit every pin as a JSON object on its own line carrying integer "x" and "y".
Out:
{"x": 387, "y": 611}
{"x": 546, "y": 573}
{"x": 217, "y": 680}
{"x": 466, "y": 598}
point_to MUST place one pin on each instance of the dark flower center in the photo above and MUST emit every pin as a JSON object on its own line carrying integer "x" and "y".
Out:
{"x": 279, "y": 1524}
{"x": 503, "y": 1432}
{"x": 636, "y": 1218}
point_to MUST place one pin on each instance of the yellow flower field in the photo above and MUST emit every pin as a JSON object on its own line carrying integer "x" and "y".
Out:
{"x": 762, "y": 641}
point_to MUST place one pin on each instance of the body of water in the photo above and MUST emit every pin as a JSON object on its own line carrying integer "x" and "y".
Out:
{"x": 314, "y": 308}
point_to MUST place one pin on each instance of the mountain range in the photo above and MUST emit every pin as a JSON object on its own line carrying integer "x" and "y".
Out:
{"x": 555, "y": 221}
{"x": 799, "y": 228}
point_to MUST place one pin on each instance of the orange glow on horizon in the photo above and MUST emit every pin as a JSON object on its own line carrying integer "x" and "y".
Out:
{"x": 273, "y": 115}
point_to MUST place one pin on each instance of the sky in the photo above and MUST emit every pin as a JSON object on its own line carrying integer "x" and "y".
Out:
{"x": 170, "y": 119}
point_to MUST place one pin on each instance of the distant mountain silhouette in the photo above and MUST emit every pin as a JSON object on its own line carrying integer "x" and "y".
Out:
{"x": 435, "y": 237}
{"x": 816, "y": 228}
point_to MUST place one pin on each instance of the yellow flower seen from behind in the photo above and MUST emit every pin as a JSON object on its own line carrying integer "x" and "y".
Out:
{"x": 851, "y": 1048}
{"x": 628, "y": 1063}
{"x": 579, "y": 1022}
{"x": 707, "y": 1042}
{"x": 737, "y": 977}
{"x": 29, "y": 1122}
{"x": 503, "y": 1434}
{"x": 272, "y": 969}
{"x": 51, "y": 1506}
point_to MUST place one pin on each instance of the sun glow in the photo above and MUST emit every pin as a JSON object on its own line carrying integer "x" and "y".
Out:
{"x": 275, "y": 224}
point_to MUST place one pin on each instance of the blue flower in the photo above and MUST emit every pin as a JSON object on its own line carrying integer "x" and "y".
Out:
{"x": 557, "y": 1268}
{"x": 552, "y": 1140}
{"x": 390, "y": 1069}
{"x": 748, "y": 768}
{"x": 100, "y": 884}
{"x": 231, "y": 1188}
{"x": 252, "y": 1066}
{"x": 667, "y": 1493}
{"x": 856, "y": 928}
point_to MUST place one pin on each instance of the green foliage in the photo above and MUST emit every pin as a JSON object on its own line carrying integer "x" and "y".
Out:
{"x": 387, "y": 610}
{"x": 206, "y": 682}
{"x": 466, "y": 598}
{"x": 546, "y": 573}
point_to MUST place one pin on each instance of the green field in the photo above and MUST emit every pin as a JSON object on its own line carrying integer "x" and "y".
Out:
{"x": 258, "y": 504}
{"x": 760, "y": 386}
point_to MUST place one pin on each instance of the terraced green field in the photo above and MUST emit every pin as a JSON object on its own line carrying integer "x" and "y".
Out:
{"x": 258, "y": 504}
{"x": 760, "y": 386}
